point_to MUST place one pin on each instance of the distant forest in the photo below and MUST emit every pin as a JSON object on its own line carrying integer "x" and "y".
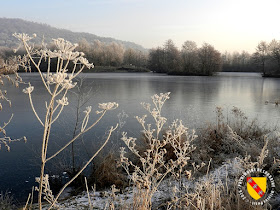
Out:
{"x": 192, "y": 60}
{"x": 109, "y": 54}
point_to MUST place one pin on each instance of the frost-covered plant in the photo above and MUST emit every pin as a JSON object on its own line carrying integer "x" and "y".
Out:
{"x": 47, "y": 192}
{"x": 6, "y": 140}
{"x": 8, "y": 71}
{"x": 57, "y": 84}
{"x": 154, "y": 164}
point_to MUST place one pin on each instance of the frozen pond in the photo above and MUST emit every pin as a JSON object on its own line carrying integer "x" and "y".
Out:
{"x": 192, "y": 99}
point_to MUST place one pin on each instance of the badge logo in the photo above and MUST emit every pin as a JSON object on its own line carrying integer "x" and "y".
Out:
{"x": 260, "y": 186}
{"x": 256, "y": 187}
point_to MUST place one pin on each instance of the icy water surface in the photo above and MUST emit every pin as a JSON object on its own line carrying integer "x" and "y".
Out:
{"x": 192, "y": 99}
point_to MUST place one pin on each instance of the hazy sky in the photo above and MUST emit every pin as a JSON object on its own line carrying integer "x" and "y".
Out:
{"x": 232, "y": 25}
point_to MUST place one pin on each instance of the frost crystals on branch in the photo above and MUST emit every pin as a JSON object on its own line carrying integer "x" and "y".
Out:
{"x": 47, "y": 192}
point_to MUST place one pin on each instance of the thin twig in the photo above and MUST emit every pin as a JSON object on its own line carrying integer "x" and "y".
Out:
{"x": 33, "y": 109}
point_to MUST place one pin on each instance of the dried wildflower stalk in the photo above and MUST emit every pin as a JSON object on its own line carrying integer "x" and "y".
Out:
{"x": 58, "y": 84}
{"x": 154, "y": 164}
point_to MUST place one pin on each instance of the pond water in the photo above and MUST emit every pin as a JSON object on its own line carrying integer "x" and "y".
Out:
{"x": 193, "y": 100}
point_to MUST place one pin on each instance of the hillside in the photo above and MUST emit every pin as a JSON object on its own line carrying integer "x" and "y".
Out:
{"x": 9, "y": 26}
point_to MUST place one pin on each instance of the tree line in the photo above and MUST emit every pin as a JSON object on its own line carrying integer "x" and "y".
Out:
{"x": 112, "y": 54}
{"x": 265, "y": 59}
{"x": 238, "y": 62}
{"x": 189, "y": 60}
{"x": 105, "y": 56}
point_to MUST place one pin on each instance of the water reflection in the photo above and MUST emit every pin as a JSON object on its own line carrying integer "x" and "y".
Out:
{"x": 193, "y": 99}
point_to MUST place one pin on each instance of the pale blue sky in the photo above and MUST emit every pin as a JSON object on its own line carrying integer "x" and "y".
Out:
{"x": 232, "y": 25}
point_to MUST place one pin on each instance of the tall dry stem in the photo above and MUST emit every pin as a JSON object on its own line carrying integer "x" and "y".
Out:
{"x": 57, "y": 85}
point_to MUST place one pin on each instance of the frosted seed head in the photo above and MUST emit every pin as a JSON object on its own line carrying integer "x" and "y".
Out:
{"x": 108, "y": 106}
{"x": 28, "y": 90}
{"x": 63, "y": 101}
{"x": 88, "y": 110}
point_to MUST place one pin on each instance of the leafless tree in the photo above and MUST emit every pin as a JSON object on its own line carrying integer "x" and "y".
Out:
{"x": 261, "y": 55}
{"x": 274, "y": 50}
{"x": 189, "y": 54}
{"x": 209, "y": 59}
{"x": 172, "y": 56}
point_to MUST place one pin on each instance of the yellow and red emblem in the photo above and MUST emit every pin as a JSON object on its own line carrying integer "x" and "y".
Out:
{"x": 256, "y": 187}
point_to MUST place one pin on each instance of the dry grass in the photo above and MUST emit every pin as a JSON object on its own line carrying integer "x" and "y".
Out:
{"x": 231, "y": 137}
{"x": 216, "y": 192}
{"x": 107, "y": 173}
{"x": 7, "y": 201}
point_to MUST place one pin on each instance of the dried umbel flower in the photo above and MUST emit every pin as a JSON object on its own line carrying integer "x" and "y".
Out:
{"x": 63, "y": 79}
{"x": 88, "y": 110}
{"x": 67, "y": 84}
{"x": 85, "y": 62}
{"x": 59, "y": 77}
{"x": 23, "y": 36}
{"x": 108, "y": 106}
{"x": 28, "y": 90}
{"x": 64, "y": 46}
{"x": 63, "y": 101}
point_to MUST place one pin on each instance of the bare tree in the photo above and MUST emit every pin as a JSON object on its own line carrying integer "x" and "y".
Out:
{"x": 261, "y": 55}
{"x": 189, "y": 55}
{"x": 274, "y": 50}
{"x": 209, "y": 59}
{"x": 172, "y": 57}
{"x": 135, "y": 57}
{"x": 156, "y": 60}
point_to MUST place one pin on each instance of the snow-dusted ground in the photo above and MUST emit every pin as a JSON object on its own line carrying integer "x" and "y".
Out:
{"x": 100, "y": 200}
